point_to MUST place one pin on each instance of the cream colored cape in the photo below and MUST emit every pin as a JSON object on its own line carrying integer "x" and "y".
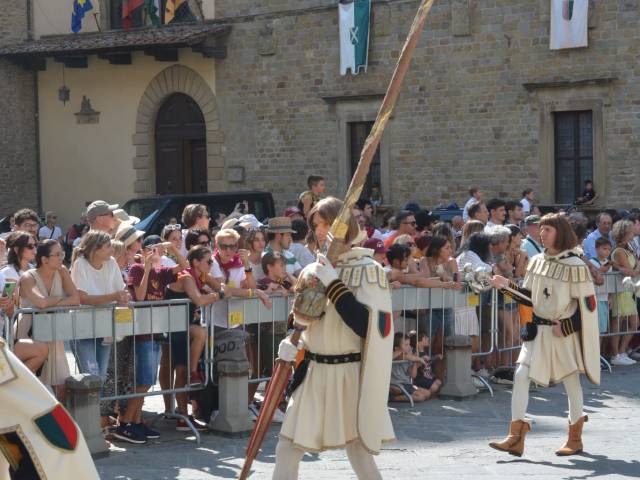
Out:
{"x": 24, "y": 400}
{"x": 559, "y": 284}
{"x": 338, "y": 404}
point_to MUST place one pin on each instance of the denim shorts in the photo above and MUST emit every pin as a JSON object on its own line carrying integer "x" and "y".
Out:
{"x": 438, "y": 319}
{"x": 147, "y": 361}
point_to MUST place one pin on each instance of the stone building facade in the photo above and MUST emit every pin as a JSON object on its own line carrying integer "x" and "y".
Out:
{"x": 478, "y": 105}
{"x": 485, "y": 103}
{"x": 18, "y": 148}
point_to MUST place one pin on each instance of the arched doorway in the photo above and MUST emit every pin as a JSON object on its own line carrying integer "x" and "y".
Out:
{"x": 181, "y": 148}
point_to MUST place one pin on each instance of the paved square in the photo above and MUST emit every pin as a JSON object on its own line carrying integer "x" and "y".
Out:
{"x": 439, "y": 439}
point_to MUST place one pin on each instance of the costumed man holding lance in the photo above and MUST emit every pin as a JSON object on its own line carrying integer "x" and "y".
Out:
{"x": 344, "y": 316}
{"x": 562, "y": 340}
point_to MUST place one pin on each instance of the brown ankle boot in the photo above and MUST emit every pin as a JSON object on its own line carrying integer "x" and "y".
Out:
{"x": 574, "y": 442}
{"x": 514, "y": 443}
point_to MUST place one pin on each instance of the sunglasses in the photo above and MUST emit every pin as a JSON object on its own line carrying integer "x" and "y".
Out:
{"x": 222, "y": 246}
{"x": 175, "y": 226}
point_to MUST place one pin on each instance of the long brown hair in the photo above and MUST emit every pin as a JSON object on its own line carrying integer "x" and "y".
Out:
{"x": 327, "y": 209}
{"x": 91, "y": 241}
{"x": 565, "y": 236}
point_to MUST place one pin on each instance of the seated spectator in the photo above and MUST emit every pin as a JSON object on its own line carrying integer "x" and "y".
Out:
{"x": 478, "y": 211}
{"x": 171, "y": 233}
{"x": 50, "y": 230}
{"x": 276, "y": 280}
{"x": 21, "y": 251}
{"x": 298, "y": 247}
{"x": 190, "y": 285}
{"x": 404, "y": 370}
{"x": 147, "y": 281}
{"x": 426, "y": 377}
{"x": 379, "y": 250}
{"x": 48, "y": 285}
{"x": 308, "y": 199}
{"x": 589, "y": 194}
{"x": 602, "y": 265}
{"x": 416, "y": 254}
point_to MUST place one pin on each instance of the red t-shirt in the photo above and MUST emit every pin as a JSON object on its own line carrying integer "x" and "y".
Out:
{"x": 159, "y": 279}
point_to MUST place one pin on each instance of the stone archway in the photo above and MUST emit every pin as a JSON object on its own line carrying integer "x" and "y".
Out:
{"x": 175, "y": 79}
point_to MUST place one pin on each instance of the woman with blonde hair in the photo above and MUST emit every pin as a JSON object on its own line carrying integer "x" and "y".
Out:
{"x": 623, "y": 304}
{"x": 471, "y": 227}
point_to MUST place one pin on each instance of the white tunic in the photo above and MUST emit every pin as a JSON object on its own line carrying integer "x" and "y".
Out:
{"x": 559, "y": 285}
{"x": 326, "y": 411}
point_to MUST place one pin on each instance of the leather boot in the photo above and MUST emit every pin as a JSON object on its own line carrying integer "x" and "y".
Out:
{"x": 514, "y": 443}
{"x": 574, "y": 442}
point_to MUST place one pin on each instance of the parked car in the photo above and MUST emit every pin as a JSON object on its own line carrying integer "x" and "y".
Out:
{"x": 155, "y": 212}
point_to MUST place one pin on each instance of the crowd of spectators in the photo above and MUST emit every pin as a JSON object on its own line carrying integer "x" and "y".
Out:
{"x": 206, "y": 260}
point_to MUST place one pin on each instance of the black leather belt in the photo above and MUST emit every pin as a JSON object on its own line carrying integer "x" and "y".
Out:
{"x": 543, "y": 321}
{"x": 333, "y": 359}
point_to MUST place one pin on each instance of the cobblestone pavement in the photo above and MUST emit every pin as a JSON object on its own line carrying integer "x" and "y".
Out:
{"x": 439, "y": 439}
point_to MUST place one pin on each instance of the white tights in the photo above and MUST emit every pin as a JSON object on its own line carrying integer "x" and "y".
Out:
{"x": 288, "y": 459}
{"x": 520, "y": 398}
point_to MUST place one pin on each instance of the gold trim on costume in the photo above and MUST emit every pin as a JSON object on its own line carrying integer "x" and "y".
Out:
{"x": 17, "y": 429}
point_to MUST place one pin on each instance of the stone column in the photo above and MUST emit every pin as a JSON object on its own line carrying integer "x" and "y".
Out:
{"x": 233, "y": 386}
{"x": 458, "y": 383}
{"x": 83, "y": 403}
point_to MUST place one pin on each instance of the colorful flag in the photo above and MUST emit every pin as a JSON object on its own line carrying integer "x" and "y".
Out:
{"x": 80, "y": 7}
{"x": 569, "y": 22}
{"x": 153, "y": 10}
{"x": 128, "y": 6}
{"x": 354, "y": 35}
{"x": 171, "y": 9}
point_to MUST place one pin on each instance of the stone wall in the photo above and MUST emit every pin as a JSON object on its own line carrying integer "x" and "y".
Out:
{"x": 474, "y": 109}
{"x": 18, "y": 158}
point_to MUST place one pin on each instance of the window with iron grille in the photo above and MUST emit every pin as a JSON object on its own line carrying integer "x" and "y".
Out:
{"x": 573, "y": 153}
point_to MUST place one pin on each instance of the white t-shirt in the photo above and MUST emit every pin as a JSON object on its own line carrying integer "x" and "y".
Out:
{"x": 465, "y": 210}
{"x": 236, "y": 277}
{"x": 601, "y": 297}
{"x": 45, "y": 233}
{"x": 104, "y": 281}
{"x": 526, "y": 206}
{"x": 302, "y": 253}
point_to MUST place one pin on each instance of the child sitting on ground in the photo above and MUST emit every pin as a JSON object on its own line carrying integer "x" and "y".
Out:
{"x": 425, "y": 378}
{"x": 406, "y": 370}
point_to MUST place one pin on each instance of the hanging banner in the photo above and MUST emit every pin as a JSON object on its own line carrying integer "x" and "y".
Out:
{"x": 569, "y": 21}
{"x": 354, "y": 35}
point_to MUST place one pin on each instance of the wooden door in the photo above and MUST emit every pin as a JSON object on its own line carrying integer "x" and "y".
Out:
{"x": 181, "y": 154}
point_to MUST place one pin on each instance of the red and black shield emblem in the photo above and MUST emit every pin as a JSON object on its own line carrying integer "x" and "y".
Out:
{"x": 591, "y": 303}
{"x": 384, "y": 323}
{"x": 58, "y": 428}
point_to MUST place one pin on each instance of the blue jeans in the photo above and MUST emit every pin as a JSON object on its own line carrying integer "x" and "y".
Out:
{"x": 92, "y": 356}
{"x": 147, "y": 361}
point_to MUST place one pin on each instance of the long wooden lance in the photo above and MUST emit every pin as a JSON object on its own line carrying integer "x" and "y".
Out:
{"x": 339, "y": 229}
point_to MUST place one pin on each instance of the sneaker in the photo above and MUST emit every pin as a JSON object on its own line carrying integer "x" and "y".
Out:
{"x": 147, "y": 432}
{"x": 620, "y": 361}
{"x": 634, "y": 355}
{"x": 129, "y": 433}
{"x": 628, "y": 358}
{"x": 477, "y": 382}
{"x": 182, "y": 426}
{"x": 196, "y": 379}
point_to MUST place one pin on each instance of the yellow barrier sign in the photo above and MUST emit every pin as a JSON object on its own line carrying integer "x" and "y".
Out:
{"x": 235, "y": 319}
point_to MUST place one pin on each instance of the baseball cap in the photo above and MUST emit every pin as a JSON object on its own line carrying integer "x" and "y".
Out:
{"x": 151, "y": 240}
{"x": 99, "y": 207}
{"x": 249, "y": 221}
{"x": 532, "y": 219}
{"x": 375, "y": 244}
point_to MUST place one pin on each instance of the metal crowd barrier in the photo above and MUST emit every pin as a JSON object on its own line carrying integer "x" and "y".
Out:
{"x": 119, "y": 329}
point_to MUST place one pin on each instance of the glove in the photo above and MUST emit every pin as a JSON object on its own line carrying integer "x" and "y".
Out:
{"x": 323, "y": 270}
{"x": 287, "y": 351}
